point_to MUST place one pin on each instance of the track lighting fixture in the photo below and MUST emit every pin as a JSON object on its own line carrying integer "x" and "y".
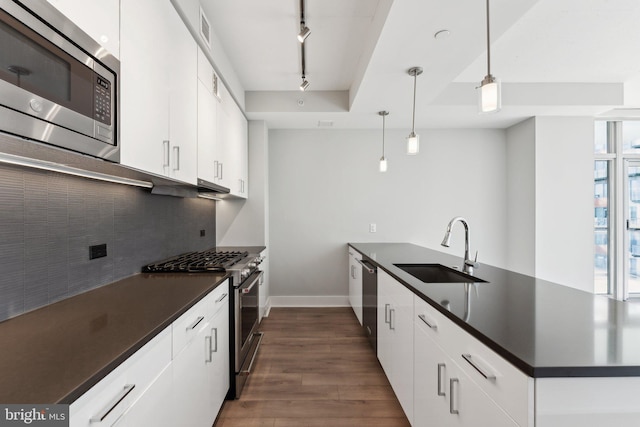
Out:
{"x": 304, "y": 32}
{"x": 489, "y": 96}
{"x": 413, "y": 140}
{"x": 305, "y": 84}
{"x": 383, "y": 160}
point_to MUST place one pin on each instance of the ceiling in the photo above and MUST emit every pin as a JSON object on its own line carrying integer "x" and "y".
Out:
{"x": 554, "y": 57}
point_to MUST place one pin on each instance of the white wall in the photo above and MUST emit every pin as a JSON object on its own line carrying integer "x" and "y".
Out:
{"x": 325, "y": 190}
{"x": 564, "y": 200}
{"x": 521, "y": 187}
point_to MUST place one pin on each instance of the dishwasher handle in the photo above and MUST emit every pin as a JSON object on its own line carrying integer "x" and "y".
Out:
{"x": 371, "y": 269}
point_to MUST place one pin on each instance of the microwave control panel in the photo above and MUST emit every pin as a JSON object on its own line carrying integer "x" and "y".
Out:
{"x": 102, "y": 100}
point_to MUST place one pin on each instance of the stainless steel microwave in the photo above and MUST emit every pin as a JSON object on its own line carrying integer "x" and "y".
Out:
{"x": 57, "y": 85}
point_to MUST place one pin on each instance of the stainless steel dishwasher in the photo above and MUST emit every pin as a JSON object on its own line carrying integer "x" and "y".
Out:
{"x": 370, "y": 301}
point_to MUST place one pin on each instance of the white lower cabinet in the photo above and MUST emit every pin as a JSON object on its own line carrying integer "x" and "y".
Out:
{"x": 154, "y": 406}
{"x": 395, "y": 338}
{"x": 355, "y": 283}
{"x": 109, "y": 401}
{"x": 444, "y": 395}
{"x": 201, "y": 367}
{"x": 179, "y": 378}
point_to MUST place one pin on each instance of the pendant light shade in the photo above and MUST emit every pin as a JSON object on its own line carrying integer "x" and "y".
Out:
{"x": 489, "y": 93}
{"x": 413, "y": 140}
{"x": 383, "y": 160}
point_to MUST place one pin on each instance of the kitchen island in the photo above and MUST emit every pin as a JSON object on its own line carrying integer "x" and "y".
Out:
{"x": 577, "y": 352}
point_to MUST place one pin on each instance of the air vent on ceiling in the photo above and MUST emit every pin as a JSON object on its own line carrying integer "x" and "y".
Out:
{"x": 205, "y": 28}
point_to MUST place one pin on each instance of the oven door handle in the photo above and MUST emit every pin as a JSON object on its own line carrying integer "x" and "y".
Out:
{"x": 245, "y": 289}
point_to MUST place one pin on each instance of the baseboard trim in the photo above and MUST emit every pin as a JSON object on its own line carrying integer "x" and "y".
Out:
{"x": 309, "y": 301}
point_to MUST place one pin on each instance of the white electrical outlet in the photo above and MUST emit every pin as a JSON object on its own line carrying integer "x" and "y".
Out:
{"x": 372, "y": 228}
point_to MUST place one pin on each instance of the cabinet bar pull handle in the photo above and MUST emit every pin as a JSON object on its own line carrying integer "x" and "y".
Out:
{"x": 215, "y": 333}
{"x": 207, "y": 341}
{"x": 386, "y": 313}
{"x": 100, "y": 416}
{"x": 194, "y": 324}
{"x": 429, "y": 323}
{"x": 440, "y": 369}
{"x": 215, "y": 166}
{"x": 369, "y": 269}
{"x": 165, "y": 146}
{"x": 253, "y": 358}
{"x": 452, "y": 401}
{"x": 176, "y": 153}
{"x": 391, "y": 311}
{"x": 476, "y": 365}
{"x": 221, "y": 170}
{"x": 221, "y": 298}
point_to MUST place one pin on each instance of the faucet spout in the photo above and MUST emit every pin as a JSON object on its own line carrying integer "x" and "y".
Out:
{"x": 468, "y": 265}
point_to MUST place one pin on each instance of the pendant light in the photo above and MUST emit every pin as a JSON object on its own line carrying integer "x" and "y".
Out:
{"x": 413, "y": 140}
{"x": 383, "y": 160}
{"x": 489, "y": 96}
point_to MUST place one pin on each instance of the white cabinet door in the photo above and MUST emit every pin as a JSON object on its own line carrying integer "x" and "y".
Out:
{"x": 207, "y": 118}
{"x": 224, "y": 136}
{"x": 182, "y": 64}
{"x": 239, "y": 148}
{"x": 355, "y": 283}
{"x": 395, "y": 338}
{"x": 232, "y": 145}
{"x": 100, "y": 19}
{"x": 158, "y": 91}
{"x": 219, "y": 375}
{"x": 430, "y": 387}
{"x": 444, "y": 395}
{"x": 154, "y": 407}
{"x": 401, "y": 323}
{"x": 385, "y": 336}
{"x": 191, "y": 382}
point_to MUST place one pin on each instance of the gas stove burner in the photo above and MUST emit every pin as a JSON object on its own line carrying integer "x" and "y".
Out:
{"x": 192, "y": 262}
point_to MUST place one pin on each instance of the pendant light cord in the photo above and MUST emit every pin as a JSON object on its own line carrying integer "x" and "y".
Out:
{"x": 383, "y": 120}
{"x": 488, "y": 44}
{"x": 413, "y": 121}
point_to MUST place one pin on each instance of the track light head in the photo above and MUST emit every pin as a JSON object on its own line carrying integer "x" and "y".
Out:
{"x": 304, "y": 33}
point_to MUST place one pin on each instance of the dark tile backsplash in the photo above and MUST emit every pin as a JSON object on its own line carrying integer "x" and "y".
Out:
{"x": 49, "y": 220}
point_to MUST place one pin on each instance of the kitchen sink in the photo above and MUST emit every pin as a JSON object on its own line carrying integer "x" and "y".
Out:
{"x": 437, "y": 273}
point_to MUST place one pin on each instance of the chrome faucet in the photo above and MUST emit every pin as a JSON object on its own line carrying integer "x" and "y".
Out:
{"x": 468, "y": 265}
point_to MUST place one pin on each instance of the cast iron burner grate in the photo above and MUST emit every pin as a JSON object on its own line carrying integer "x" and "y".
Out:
{"x": 192, "y": 262}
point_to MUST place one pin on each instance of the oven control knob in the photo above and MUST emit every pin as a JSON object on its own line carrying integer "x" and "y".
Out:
{"x": 36, "y": 105}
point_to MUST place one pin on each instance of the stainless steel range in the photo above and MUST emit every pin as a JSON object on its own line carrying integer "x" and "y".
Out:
{"x": 246, "y": 278}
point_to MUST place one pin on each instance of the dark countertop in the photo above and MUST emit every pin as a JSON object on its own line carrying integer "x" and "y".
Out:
{"x": 56, "y": 353}
{"x": 543, "y": 328}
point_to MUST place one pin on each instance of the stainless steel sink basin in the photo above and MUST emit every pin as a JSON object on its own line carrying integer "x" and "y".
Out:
{"x": 437, "y": 273}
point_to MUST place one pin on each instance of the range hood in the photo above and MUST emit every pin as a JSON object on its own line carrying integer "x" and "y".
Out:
{"x": 209, "y": 187}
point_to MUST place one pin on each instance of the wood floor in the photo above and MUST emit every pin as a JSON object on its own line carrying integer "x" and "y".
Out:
{"x": 315, "y": 368}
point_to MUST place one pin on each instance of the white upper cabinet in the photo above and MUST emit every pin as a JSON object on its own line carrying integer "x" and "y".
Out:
{"x": 208, "y": 101}
{"x": 158, "y": 91}
{"x": 232, "y": 145}
{"x": 100, "y": 19}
